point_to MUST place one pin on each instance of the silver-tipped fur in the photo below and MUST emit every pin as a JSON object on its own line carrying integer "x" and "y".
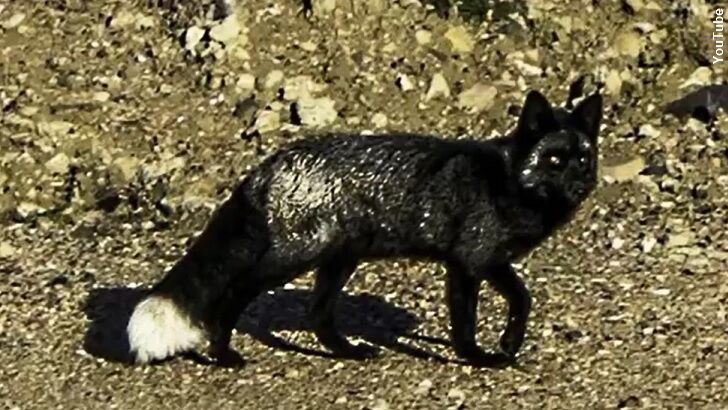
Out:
{"x": 158, "y": 329}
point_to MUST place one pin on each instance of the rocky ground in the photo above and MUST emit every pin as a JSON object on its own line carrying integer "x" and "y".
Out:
{"x": 124, "y": 123}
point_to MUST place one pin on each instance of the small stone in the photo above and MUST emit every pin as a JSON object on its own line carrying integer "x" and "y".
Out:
{"x": 58, "y": 164}
{"x": 680, "y": 239}
{"x": 127, "y": 167}
{"x": 193, "y": 36}
{"x": 273, "y": 79}
{"x": 309, "y": 46}
{"x": 636, "y": 5}
{"x": 341, "y": 400}
{"x": 648, "y": 243}
{"x": 227, "y": 31}
{"x": 423, "y": 37}
{"x": 379, "y": 120}
{"x": 701, "y": 76}
{"x": 166, "y": 89}
{"x": 625, "y": 171}
{"x": 317, "y": 112}
{"x": 424, "y": 387}
{"x": 6, "y": 250}
{"x": 27, "y": 209}
{"x": 617, "y": 243}
{"x": 478, "y": 97}
{"x": 404, "y": 83}
{"x": 460, "y": 39}
{"x": 267, "y": 121}
{"x": 649, "y": 131}
{"x": 301, "y": 86}
{"x": 245, "y": 83}
{"x": 14, "y": 21}
{"x": 55, "y": 129}
{"x": 101, "y": 96}
{"x": 456, "y": 397}
{"x": 438, "y": 88}
{"x": 380, "y": 404}
{"x": 143, "y": 22}
{"x": 629, "y": 43}
{"x": 613, "y": 83}
{"x": 661, "y": 292}
{"x": 122, "y": 19}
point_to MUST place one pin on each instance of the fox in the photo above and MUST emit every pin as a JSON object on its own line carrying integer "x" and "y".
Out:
{"x": 328, "y": 202}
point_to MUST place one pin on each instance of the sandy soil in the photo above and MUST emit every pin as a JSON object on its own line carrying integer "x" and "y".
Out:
{"x": 124, "y": 123}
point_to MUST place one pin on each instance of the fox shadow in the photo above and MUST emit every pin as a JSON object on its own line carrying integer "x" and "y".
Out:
{"x": 363, "y": 316}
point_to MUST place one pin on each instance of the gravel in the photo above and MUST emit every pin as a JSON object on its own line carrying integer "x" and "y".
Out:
{"x": 124, "y": 125}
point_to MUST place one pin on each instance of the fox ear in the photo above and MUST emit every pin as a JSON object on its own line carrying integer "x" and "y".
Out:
{"x": 537, "y": 117}
{"x": 588, "y": 114}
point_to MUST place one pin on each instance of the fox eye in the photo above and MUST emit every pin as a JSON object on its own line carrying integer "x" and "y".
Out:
{"x": 583, "y": 160}
{"x": 555, "y": 161}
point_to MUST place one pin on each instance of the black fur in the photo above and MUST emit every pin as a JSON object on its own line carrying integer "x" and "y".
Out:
{"x": 329, "y": 202}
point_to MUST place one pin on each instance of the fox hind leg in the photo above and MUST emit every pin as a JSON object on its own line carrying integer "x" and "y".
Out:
{"x": 331, "y": 276}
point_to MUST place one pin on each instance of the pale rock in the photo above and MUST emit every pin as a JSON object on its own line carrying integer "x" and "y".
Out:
{"x": 377, "y": 6}
{"x": 325, "y": 7}
{"x": 6, "y": 250}
{"x": 14, "y": 21}
{"x": 101, "y": 96}
{"x": 478, "y": 97}
{"x": 127, "y": 167}
{"x": 193, "y": 35}
{"x": 301, "y": 86}
{"x": 389, "y": 48}
{"x": 379, "y": 120}
{"x": 380, "y": 405}
{"x": 460, "y": 39}
{"x": 404, "y": 83}
{"x": 228, "y": 31}
{"x": 645, "y": 27}
{"x": 438, "y": 88}
{"x": 629, "y": 43}
{"x": 28, "y": 209}
{"x": 625, "y": 171}
{"x": 701, "y": 76}
{"x": 649, "y": 131}
{"x": 423, "y": 37}
{"x": 653, "y": 6}
{"x": 680, "y": 239}
{"x": 424, "y": 387}
{"x": 55, "y": 129}
{"x": 144, "y": 22}
{"x": 245, "y": 83}
{"x": 122, "y": 19}
{"x": 661, "y": 292}
{"x": 273, "y": 79}
{"x": 648, "y": 243}
{"x": 317, "y": 112}
{"x": 617, "y": 243}
{"x": 58, "y": 164}
{"x": 636, "y": 5}
{"x": 267, "y": 121}
{"x": 613, "y": 83}
{"x": 309, "y": 46}
{"x": 526, "y": 69}
{"x": 456, "y": 397}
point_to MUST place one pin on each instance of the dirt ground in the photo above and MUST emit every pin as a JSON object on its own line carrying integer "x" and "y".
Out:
{"x": 124, "y": 123}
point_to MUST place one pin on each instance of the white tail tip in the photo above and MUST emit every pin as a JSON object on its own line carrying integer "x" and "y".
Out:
{"x": 158, "y": 329}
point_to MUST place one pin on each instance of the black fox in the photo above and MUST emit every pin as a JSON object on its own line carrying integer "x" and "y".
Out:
{"x": 330, "y": 202}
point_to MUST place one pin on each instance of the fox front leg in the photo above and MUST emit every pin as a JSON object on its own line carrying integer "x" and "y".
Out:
{"x": 463, "y": 287}
{"x": 505, "y": 281}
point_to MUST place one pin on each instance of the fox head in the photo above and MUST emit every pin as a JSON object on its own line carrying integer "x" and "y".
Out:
{"x": 555, "y": 151}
